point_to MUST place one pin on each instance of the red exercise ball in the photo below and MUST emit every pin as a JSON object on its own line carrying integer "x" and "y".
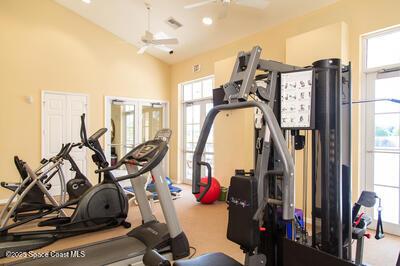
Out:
{"x": 212, "y": 194}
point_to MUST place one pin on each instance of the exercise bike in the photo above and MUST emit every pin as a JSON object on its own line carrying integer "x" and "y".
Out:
{"x": 102, "y": 206}
{"x": 30, "y": 195}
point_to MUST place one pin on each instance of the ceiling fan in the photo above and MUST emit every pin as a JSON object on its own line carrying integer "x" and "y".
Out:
{"x": 259, "y": 4}
{"x": 159, "y": 41}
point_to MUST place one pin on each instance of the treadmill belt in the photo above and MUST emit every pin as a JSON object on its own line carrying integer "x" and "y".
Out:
{"x": 99, "y": 253}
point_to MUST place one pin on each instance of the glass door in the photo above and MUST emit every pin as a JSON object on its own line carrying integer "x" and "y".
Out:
{"x": 152, "y": 120}
{"x": 194, "y": 115}
{"x": 383, "y": 145}
{"x": 131, "y": 122}
{"x": 197, "y": 101}
{"x": 123, "y": 129}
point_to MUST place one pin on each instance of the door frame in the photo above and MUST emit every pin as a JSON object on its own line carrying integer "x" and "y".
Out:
{"x": 43, "y": 115}
{"x": 139, "y": 102}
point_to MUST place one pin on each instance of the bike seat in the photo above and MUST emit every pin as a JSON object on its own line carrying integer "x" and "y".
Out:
{"x": 215, "y": 259}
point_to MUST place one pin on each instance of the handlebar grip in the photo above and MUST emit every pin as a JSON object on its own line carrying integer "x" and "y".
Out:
{"x": 209, "y": 180}
{"x": 83, "y": 130}
{"x": 98, "y": 134}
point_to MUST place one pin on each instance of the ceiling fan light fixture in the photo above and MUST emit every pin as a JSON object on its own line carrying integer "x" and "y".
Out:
{"x": 87, "y": 1}
{"x": 207, "y": 21}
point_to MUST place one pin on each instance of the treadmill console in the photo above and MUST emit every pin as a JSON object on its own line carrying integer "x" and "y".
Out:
{"x": 163, "y": 134}
{"x": 150, "y": 148}
{"x": 144, "y": 151}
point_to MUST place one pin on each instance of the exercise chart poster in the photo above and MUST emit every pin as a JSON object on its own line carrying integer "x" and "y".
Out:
{"x": 296, "y": 99}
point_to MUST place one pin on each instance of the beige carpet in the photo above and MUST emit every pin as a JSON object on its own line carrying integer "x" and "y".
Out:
{"x": 205, "y": 226}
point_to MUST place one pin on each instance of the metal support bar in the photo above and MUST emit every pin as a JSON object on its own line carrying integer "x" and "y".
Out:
{"x": 279, "y": 142}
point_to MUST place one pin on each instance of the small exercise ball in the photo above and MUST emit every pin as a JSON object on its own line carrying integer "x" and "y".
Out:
{"x": 212, "y": 194}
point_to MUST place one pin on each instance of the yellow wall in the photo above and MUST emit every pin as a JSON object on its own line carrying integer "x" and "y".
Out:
{"x": 43, "y": 46}
{"x": 330, "y": 41}
{"x": 361, "y": 16}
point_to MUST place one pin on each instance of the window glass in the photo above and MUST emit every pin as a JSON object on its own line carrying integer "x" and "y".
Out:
{"x": 189, "y": 115}
{"x": 383, "y": 50}
{"x": 387, "y": 131}
{"x": 196, "y": 114}
{"x": 187, "y": 92}
{"x": 387, "y": 88}
{"x": 390, "y": 201}
{"x": 207, "y": 87}
{"x": 197, "y": 90}
{"x": 386, "y": 169}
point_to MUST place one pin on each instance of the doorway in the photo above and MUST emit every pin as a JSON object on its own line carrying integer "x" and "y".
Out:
{"x": 130, "y": 122}
{"x": 61, "y": 124}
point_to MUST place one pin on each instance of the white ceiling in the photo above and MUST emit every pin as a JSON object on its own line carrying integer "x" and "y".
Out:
{"x": 128, "y": 20}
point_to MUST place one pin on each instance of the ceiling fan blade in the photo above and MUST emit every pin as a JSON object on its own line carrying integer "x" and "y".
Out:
{"x": 203, "y": 3}
{"x": 260, "y": 4}
{"x": 165, "y": 41}
{"x": 163, "y": 48}
{"x": 142, "y": 49}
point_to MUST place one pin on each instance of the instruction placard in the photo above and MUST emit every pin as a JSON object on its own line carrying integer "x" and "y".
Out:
{"x": 297, "y": 99}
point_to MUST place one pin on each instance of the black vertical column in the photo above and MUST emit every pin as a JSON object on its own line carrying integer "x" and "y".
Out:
{"x": 331, "y": 160}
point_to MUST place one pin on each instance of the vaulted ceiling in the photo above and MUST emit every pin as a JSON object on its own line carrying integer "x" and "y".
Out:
{"x": 127, "y": 19}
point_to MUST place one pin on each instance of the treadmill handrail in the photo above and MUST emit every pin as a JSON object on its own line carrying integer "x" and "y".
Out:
{"x": 279, "y": 142}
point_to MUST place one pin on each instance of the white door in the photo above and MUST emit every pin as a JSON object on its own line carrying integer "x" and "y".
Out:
{"x": 61, "y": 124}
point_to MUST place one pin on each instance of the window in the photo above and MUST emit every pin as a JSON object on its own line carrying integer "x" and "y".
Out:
{"x": 383, "y": 49}
{"x": 382, "y": 123}
{"x": 197, "y": 101}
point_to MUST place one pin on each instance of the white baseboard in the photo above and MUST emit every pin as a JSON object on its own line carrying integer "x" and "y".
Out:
{"x": 4, "y": 201}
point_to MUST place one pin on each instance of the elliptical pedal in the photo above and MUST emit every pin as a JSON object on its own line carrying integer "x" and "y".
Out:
{"x": 55, "y": 221}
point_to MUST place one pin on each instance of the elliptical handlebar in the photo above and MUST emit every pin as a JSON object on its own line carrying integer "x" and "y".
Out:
{"x": 83, "y": 133}
{"x": 93, "y": 143}
{"x": 97, "y": 134}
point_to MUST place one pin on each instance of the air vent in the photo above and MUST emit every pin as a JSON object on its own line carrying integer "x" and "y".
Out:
{"x": 173, "y": 23}
{"x": 196, "y": 68}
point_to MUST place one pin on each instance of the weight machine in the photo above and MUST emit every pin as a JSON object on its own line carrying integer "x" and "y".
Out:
{"x": 290, "y": 101}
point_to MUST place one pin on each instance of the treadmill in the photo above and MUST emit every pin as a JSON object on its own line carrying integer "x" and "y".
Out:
{"x": 129, "y": 249}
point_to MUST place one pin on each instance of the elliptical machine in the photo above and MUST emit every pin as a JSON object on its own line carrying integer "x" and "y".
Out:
{"x": 30, "y": 194}
{"x": 102, "y": 206}
{"x": 31, "y": 198}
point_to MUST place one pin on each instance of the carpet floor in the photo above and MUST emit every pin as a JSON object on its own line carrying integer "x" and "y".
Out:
{"x": 205, "y": 226}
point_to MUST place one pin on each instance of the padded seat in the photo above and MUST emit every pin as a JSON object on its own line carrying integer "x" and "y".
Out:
{"x": 214, "y": 259}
